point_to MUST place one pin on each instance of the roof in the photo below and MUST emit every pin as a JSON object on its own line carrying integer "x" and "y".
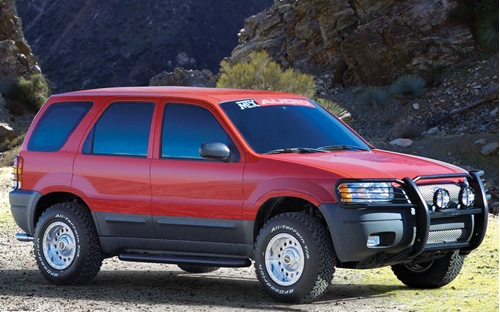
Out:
{"x": 219, "y": 94}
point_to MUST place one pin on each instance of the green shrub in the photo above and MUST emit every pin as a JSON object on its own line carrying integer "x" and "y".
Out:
{"x": 374, "y": 97}
{"x": 8, "y": 158}
{"x": 487, "y": 31}
{"x": 481, "y": 16}
{"x": 30, "y": 93}
{"x": 335, "y": 109}
{"x": 9, "y": 144}
{"x": 409, "y": 129}
{"x": 409, "y": 85}
{"x": 260, "y": 73}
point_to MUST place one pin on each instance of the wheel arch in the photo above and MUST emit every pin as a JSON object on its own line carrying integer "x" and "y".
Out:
{"x": 283, "y": 204}
{"x": 53, "y": 198}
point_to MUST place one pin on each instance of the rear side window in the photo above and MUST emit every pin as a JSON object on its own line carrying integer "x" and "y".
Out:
{"x": 56, "y": 125}
{"x": 123, "y": 129}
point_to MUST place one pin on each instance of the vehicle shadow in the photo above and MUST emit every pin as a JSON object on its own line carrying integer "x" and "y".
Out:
{"x": 172, "y": 287}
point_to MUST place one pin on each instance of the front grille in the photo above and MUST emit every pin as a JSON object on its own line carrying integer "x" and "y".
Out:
{"x": 428, "y": 191}
{"x": 439, "y": 237}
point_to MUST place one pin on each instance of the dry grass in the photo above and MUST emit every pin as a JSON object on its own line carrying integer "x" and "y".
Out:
{"x": 475, "y": 288}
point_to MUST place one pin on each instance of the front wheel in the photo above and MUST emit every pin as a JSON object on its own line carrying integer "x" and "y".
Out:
{"x": 294, "y": 258}
{"x": 432, "y": 274}
{"x": 66, "y": 245}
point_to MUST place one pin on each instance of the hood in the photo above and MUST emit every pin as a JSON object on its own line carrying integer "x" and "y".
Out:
{"x": 371, "y": 164}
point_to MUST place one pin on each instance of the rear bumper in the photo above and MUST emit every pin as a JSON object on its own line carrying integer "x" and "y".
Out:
{"x": 22, "y": 206}
{"x": 405, "y": 232}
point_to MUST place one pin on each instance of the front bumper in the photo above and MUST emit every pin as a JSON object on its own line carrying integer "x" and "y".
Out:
{"x": 406, "y": 232}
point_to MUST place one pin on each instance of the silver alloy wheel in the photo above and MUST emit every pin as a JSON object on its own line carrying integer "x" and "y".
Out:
{"x": 419, "y": 267}
{"x": 59, "y": 245}
{"x": 284, "y": 259}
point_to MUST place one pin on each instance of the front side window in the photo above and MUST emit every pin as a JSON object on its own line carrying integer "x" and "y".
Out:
{"x": 123, "y": 129}
{"x": 56, "y": 125}
{"x": 186, "y": 127}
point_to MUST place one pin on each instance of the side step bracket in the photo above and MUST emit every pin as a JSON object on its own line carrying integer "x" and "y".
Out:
{"x": 202, "y": 261}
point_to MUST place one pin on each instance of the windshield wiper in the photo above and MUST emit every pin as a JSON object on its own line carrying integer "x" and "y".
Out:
{"x": 340, "y": 147}
{"x": 297, "y": 150}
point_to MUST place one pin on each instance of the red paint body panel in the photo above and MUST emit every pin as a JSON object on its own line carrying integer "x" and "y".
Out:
{"x": 114, "y": 184}
{"x": 197, "y": 189}
{"x": 201, "y": 189}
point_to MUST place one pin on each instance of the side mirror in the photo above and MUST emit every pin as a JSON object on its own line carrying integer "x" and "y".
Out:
{"x": 215, "y": 150}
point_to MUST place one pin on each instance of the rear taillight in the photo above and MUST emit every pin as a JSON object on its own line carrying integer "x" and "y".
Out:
{"x": 18, "y": 172}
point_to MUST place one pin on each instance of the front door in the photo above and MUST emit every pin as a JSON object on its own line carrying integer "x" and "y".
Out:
{"x": 197, "y": 202}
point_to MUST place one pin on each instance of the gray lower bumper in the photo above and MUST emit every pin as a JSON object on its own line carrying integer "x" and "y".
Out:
{"x": 22, "y": 205}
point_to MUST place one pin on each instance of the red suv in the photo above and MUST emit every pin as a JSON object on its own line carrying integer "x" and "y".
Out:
{"x": 208, "y": 178}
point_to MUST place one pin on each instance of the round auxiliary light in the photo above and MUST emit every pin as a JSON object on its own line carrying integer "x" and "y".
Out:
{"x": 466, "y": 197}
{"x": 441, "y": 198}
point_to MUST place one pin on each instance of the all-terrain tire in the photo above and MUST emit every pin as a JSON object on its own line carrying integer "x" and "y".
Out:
{"x": 294, "y": 258}
{"x": 66, "y": 244}
{"x": 196, "y": 269}
{"x": 433, "y": 274}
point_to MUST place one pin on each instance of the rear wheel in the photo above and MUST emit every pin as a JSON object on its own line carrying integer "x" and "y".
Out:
{"x": 191, "y": 268}
{"x": 294, "y": 258}
{"x": 432, "y": 274}
{"x": 66, "y": 245}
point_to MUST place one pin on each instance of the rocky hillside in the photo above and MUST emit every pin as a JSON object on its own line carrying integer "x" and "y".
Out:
{"x": 363, "y": 41}
{"x": 84, "y": 44}
{"x": 16, "y": 58}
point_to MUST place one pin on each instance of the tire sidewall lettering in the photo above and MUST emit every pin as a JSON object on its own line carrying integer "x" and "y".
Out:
{"x": 39, "y": 246}
{"x": 276, "y": 230}
{"x": 286, "y": 228}
{"x": 271, "y": 285}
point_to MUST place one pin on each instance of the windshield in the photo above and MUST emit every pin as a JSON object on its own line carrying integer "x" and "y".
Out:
{"x": 290, "y": 125}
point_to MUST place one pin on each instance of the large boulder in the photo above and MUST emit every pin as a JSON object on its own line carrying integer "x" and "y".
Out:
{"x": 351, "y": 42}
{"x": 16, "y": 58}
{"x": 184, "y": 77}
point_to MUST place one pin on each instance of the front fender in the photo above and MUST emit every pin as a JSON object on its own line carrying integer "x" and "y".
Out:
{"x": 286, "y": 187}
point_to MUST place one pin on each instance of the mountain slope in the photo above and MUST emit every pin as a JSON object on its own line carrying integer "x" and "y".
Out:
{"x": 84, "y": 44}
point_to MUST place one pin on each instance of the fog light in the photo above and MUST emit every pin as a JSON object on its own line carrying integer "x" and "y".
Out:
{"x": 466, "y": 197}
{"x": 373, "y": 241}
{"x": 441, "y": 198}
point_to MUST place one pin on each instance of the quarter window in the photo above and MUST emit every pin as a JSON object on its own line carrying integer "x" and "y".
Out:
{"x": 186, "y": 127}
{"x": 56, "y": 125}
{"x": 123, "y": 129}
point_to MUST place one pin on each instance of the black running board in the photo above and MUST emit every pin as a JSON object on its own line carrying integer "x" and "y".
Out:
{"x": 201, "y": 261}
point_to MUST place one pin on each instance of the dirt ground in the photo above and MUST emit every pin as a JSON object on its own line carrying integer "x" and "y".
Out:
{"x": 128, "y": 286}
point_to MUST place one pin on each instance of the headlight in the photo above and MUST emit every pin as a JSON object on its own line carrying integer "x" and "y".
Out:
{"x": 365, "y": 192}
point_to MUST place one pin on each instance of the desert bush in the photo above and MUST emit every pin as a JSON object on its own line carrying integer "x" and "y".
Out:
{"x": 11, "y": 143}
{"x": 408, "y": 129}
{"x": 409, "y": 85}
{"x": 481, "y": 16}
{"x": 29, "y": 93}
{"x": 487, "y": 31}
{"x": 260, "y": 73}
{"x": 335, "y": 109}
{"x": 8, "y": 158}
{"x": 374, "y": 97}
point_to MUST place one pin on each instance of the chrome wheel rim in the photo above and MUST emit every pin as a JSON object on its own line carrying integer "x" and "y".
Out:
{"x": 284, "y": 258}
{"x": 59, "y": 245}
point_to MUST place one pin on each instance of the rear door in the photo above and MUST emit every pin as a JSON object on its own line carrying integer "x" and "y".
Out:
{"x": 197, "y": 202}
{"x": 113, "y": 169}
